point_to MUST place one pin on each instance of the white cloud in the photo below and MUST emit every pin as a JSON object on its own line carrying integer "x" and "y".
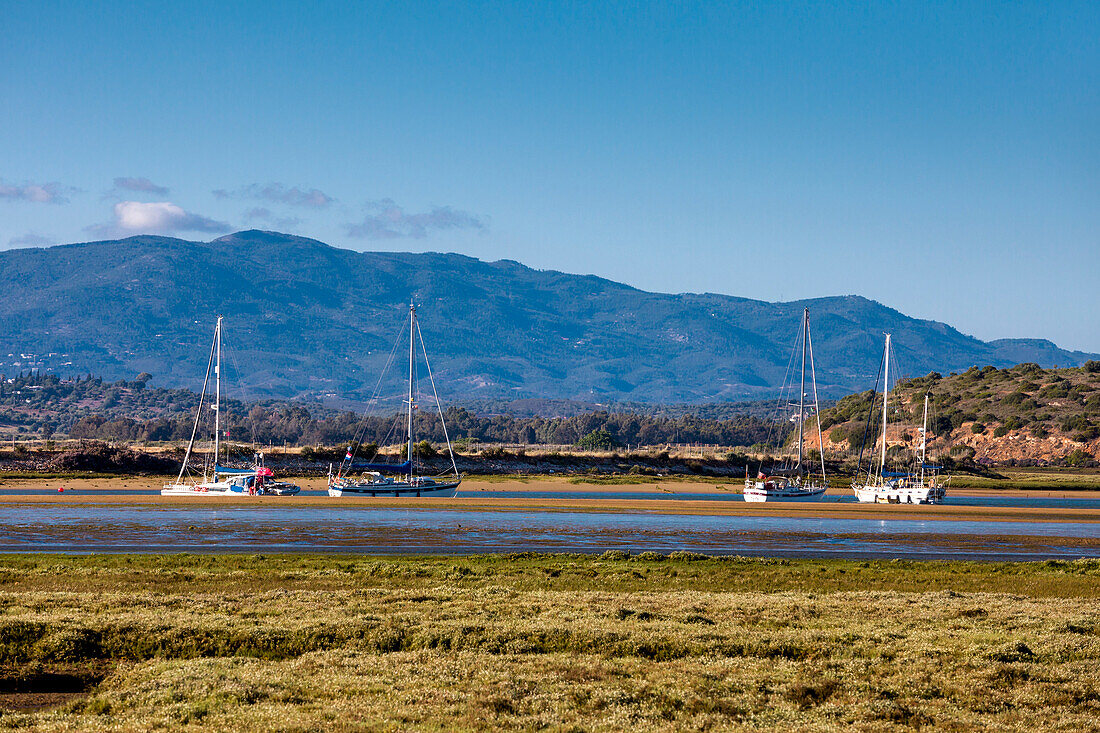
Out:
{"x": 161, "y": 217}
{"x": 387, "y": 220}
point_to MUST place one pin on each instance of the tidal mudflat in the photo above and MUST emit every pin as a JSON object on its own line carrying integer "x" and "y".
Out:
{"x": 547, "y": 515}
{"x": 610, "y": 642}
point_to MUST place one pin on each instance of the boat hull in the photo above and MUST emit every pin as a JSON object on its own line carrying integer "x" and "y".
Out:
{"x": 784, "y": 494}
{"x": 900, "y": 494}
{"x": 201, "y": 490}
{"x": 228, "y": 489}
{"x": 444, "y": 490}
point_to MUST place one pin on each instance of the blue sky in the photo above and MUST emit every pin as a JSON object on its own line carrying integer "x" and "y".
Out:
{"x": 943, "y": 158}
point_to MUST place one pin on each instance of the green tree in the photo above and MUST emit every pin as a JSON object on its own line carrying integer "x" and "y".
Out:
{"x": 599, "y": 439}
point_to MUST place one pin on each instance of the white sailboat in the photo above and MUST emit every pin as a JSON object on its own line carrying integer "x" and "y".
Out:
{"x": 893, "y": 487}
{"x": 795, "y": 484}
{"x": 220, "y": 480}
{"x": 403, "y": 479}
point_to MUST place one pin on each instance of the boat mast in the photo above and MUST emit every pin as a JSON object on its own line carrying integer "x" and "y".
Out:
{"x": 217, "y": 393}
{"x": 412, "y": 342}
{"x": 802, "y": 390}
{"x": 924, "y": 439}
{"x": 885, "y": 399}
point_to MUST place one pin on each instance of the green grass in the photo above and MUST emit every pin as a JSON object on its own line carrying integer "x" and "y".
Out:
{"x": 613, "y": 571}
{"x": 497, "y": 478}
{"x": 564, "y": 642}
{"x": 59, "y": 475}
{"x": 1053, "y": 479}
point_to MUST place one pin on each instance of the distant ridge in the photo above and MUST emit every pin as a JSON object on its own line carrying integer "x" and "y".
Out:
{"x": 308, "y": 320}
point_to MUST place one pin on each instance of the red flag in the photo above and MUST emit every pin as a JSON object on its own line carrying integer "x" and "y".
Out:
{"x": 760, "y": 475}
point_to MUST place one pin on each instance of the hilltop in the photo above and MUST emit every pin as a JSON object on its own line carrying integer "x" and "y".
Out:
{"x": 1024, "y": 415}
{"x": 305, "y": 320}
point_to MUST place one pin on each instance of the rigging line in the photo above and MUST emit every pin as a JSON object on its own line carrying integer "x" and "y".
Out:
{"x": 437, "y": 404}
{"x": 817, "y": 407}
{"x": 240, "y": 386}
{"x": 360, "y": 431}
{"x": 198, "y": 411}
{"x": 787, "y": 397}
{"x": 870, "y": 417}
{"x": 783, "y": 392}
{"x": 897, "y": 402}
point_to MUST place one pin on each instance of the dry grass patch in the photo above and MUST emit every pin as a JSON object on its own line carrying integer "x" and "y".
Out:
{"x": 418, "y": 644}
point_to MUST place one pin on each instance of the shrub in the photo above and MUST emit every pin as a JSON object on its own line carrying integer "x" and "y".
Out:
{"x": 977, "y": 428}
{"x": 1079, "y": 457}
{"x": 1075, "y": 423}
{"x": 963, "y": 450}
{"x": 1090, "y": 433}
{"x": 1092, "y": 367}
{"x": 1000, "y": 431}
{"x": 1055, "y": 390}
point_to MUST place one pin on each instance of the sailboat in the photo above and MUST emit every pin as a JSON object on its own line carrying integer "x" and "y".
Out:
{"x": 892, "y": 487}
{"x": 794, "y": 484}
{"x": 402, "y": 479}
{"x": 220, "y": 480}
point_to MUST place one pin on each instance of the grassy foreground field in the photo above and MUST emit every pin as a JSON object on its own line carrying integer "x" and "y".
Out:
{"x": 561, "y": 642}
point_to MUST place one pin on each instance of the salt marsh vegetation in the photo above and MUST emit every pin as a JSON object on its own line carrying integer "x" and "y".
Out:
{"x": 613, "y": 642}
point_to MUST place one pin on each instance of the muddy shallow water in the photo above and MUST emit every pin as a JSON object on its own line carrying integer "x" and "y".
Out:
{"x": 311, "y": 528}
{"x": 128, "y": 515}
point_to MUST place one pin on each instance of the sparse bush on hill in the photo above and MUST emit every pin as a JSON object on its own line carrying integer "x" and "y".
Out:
{"x": 991, "y": 402}
{"x": 1092, "y": 432}
{"x": 1079, "y": 458}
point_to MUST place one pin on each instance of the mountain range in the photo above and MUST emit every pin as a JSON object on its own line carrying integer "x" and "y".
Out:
{"x": 307, "y": 320}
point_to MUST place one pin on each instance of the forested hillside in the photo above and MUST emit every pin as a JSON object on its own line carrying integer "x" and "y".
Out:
{"x": 307, "y": 321}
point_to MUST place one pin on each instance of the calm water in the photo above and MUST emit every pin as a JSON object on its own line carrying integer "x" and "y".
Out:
{"x": 286, "y": 527}
{"x": 1053, "y": 500}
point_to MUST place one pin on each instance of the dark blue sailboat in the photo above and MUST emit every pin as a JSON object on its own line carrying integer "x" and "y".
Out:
{"x": 385, "y": 479}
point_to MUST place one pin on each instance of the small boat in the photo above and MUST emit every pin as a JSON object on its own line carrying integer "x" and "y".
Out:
{"x": 898, "y": 487}
{"x": 794, "y": 483}
{"x": 373, "y": 478}
{"x": 222, "y": 480}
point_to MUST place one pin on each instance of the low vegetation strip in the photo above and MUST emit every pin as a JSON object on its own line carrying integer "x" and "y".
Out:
{"x": 641, "y": 642}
